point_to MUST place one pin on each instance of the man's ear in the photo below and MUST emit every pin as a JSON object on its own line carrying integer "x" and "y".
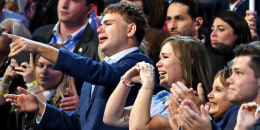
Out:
{"x": 258, "y": 82}
{"x": 91, "y": 8}
{"x": 198, "y": 23}
{"x": 131, "y": 30}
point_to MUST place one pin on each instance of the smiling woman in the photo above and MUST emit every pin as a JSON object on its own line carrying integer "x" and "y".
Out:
{"x": 218, "y": 100}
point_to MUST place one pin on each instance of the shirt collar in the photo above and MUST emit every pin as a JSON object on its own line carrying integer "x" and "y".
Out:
{"x": 70, "y": 37}
{"x": 116, "y": 57}
{"x": 48, "y": 94}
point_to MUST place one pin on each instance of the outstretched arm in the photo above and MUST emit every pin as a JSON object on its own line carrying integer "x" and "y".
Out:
{"x": 20, "y": 44}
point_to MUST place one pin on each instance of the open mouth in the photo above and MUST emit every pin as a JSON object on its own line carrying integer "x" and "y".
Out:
{"x": 161, "y": 73}
{"x": 102, "y": 39}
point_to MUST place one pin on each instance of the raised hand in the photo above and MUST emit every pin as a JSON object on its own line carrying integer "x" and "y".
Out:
{"x": 180, "y": 92}
{"x": 26, "y": 102}
{"x": 146, "y": 73}
{"x": 27, "y": 70}
{"x": 70, "y": 103}
{"x": 247, "y": 116}
{"x": 139, "y": 73}
{"x": 20, "y": 44}
{"x": 190, "y": 118}
{"x": 10, "y": 72}
{"x": 251, "y": 21}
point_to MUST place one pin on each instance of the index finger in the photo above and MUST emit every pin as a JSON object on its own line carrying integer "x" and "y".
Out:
{"x": 31, "y": 60}
{"x": 11, "y": 36}
{"x": 10, "y": 96}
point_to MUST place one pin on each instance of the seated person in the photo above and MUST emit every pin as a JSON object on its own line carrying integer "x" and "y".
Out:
{"x": 49, "y": 85}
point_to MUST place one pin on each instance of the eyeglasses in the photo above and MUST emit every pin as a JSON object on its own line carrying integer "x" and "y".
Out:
{"x": 3, "y": 30}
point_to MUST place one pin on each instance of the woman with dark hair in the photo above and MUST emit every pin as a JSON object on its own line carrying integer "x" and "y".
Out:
{"x": 228, "y": 30}
{"x": 182, "y": 60}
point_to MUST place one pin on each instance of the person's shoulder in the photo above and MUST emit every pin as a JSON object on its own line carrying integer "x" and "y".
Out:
{"x": 43, "y": 33}
{"x": 138, "y": 55}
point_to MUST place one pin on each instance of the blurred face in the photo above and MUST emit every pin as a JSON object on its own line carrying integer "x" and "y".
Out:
{"x": 169, "y": 67}
{"x": 222, "y": 35}
{"x": 113, "y": 34}
{"x": 72, "y": 11}
{"x": 4, "y": 43}
{"x": 179, "y": 22}
{"x": 218, "y": 99}
{"x": 139, "y": 3}
{"x": 47, "y": 77}
{"x": 243, "y": 86}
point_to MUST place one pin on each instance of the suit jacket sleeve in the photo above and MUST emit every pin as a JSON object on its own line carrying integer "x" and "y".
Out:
{"x": 55, "y": 118}
{"x": 98, "y": 73}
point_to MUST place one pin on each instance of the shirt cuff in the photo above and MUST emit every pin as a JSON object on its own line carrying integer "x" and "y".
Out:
{"x": 38, "y": 117}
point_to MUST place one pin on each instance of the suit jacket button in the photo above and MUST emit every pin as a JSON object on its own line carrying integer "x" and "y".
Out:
{"x": 86, "y": 121}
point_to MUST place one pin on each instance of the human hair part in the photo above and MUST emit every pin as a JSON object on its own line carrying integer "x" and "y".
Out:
{"x": 238, "y": 24}
{"x": 223, "y": 75}
{"x": 254, "y": 52}
{"x": 194, "y": 61}
{"x": 66, "y": 82}
{"x": 131, "y": 14}
{"x": 195, "y": 10}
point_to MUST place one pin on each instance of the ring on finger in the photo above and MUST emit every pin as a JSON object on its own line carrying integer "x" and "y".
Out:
{"x": 179, "y": 100}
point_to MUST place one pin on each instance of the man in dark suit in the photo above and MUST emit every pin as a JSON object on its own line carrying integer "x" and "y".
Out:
{"x": 244, "y": 83}
{"x": 72, "y": 30}
{"x": 121, "y": 31}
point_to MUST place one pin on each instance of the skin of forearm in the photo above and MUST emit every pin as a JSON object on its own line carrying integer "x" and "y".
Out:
{"x": 140, "y": 115}
{"x": 48, "y": 52}
{"x": 115, "y": 112}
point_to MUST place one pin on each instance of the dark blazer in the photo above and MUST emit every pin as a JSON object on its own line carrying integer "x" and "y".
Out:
{"x": 106, "y": 76}
{"x": 86, "y": 46}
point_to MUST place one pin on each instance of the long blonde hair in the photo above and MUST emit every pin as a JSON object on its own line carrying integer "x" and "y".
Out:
{"x": 66, "y": 82}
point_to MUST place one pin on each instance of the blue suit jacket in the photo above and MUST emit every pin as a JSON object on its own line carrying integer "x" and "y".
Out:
{"x": 106, "y": 76}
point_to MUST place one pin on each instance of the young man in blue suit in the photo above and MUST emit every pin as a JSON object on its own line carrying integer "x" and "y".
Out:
{"x": 121, "y": 31}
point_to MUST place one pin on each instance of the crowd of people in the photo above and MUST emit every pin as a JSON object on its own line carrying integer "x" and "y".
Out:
{"x": 129, "y": 64}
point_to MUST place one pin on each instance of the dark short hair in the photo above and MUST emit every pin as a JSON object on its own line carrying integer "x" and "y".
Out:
{"x": 254, "y": 52}
{"x": 195, "y": 10}
{"x": 131, "y": 14}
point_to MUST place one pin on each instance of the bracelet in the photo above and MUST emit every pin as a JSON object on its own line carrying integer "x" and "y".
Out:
{"x": 2, "y": 94}
{"x": 127, "y": 84}
{"x": 29, "y": 85}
